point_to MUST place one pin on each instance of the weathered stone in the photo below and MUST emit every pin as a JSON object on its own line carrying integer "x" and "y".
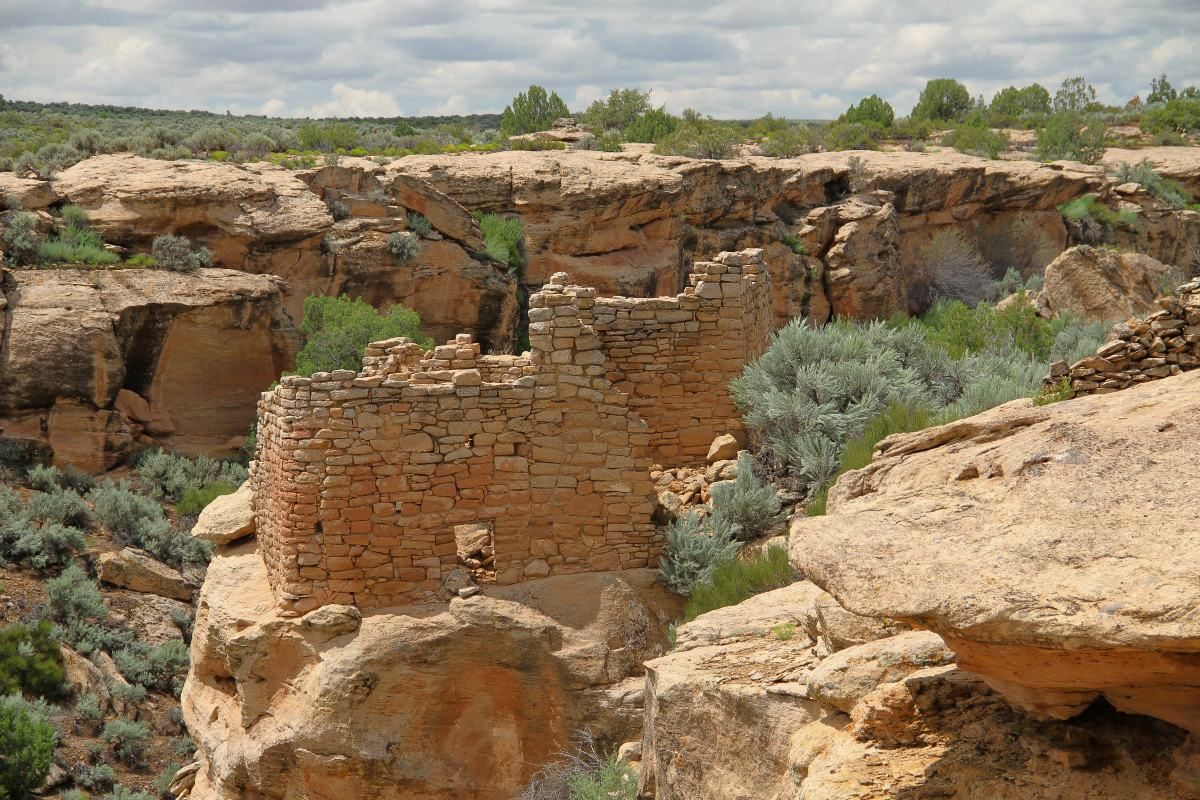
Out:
{"x": 132, "y": 569}
{"x": 527, "y": 666}
{"x": 227, "y": 518}
{"x": 723, "y": 448}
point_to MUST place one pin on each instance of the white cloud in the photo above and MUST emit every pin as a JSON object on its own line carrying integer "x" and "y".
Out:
{"x": 273, "y": 108}
{"x": 799, "y": 58}
{"x": 350, "y": 102}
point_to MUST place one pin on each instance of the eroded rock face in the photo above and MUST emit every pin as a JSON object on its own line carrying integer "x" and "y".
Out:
{"x": 630, "y": 223}
{"x": 464, "y": 701}
{"x": 738, "y": 710}
{"x": 265, "y": 219}
{"x": 1053, "y": 548}
{"x": 1100, "y": 284}
{"x": 93, "y": 360}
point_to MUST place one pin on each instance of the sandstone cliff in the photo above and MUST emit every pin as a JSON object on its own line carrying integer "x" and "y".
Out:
{"x": 460, "y": 701}
{"x": 264, "y": 219}
{"x": 92, "y": 361}
{"x": 631, "y": 222}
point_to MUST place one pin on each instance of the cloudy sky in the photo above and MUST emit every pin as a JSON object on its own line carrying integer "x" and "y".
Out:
{"x": 797, "y": 58}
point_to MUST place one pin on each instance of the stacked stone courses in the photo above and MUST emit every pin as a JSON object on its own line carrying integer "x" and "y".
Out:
{"x": 1164, "y": 344}
{"x": 360, "y": 479}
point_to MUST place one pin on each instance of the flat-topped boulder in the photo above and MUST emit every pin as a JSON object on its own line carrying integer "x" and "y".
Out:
{"x": 1054, "y": 548}
{"x": 1104, "y": 285}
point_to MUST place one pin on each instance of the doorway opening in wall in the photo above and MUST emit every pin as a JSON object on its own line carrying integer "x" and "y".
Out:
{"x": 477, "y": 550}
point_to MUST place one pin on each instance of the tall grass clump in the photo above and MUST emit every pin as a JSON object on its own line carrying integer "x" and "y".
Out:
{"x": 737, "y": 580}
{"x": 504, "y": 239}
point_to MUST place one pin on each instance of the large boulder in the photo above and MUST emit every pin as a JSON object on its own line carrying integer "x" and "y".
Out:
{"x": 465, "y": 699}
{"x": 227, "y": 518}
{"x": 134, "y": 570}
{"x": 746, "y": 707}
{"x": 1101, "y": 284}
{"x": 184, "y": 355}
{"x": 1053, "y": 547}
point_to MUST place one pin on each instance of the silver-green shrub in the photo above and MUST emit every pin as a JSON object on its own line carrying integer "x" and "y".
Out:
{"x": 691, "y": 552}
{"x": 403, "y": 246}
{"x": 745, "y": 508}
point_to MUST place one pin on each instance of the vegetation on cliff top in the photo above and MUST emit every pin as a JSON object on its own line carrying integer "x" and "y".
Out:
{"x": 41, "y": 139}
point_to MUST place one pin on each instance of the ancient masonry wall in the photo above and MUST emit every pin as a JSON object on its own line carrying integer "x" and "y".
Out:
{"x": 675, "y": 356}
{"x": 1165, "y": 343}
{"x": 362, "y": 481}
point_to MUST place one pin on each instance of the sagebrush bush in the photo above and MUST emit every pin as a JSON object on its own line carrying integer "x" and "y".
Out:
{"x": 697, "y": 137}
{"x": 159, "y": 667}
{"x": 691, "y": 552}
{"x": 850, "y": 136}
{"x": 858, "y": 451}
{"x": 977, "y": 141}
{"x": 119, "y": 792}
{"x": 44, "y": 478}
{"x": 27, "y": 748}
{"x": 130, "y": 695}
{"x": 419, "y": 225}
{"x": 815, "y": 389}
{"x": 88, "y": 707}
{"x": 337, "y": 331}
{"x": 176, "y": 254}
{"x": 337, "y": 209}
{"x": 582, "y": 772}
{"x": 48, "y": 545}
{"x": 790, "y": 142}
{"x": 170, "y": 475}
{"x": 30, "y": 661}
{"x": 97, "y": 778}
{"x": 653, "y": 126}
{"x": 1168, "y": 191}
{"x": 403, "y": 246}
{"x": 21, "y": 239}
{"x": 747, "y": 507}
{"x": 62, "y": 506}
{"x": 128, "y": 740}
{"x": 1070, "y": 136}
{"x": 122, "y": 510}
{"x": 952, "y": 268}
{"x": 78, "y": 608}
{"x": 1178, "y": 115}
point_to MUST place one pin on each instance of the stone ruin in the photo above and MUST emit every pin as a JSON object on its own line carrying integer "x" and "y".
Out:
{"x": 1166, "y": 343}
{"x": 378, "y": 488}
